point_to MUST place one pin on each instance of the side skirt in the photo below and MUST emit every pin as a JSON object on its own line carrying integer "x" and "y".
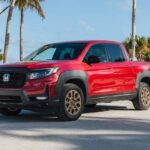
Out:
{"x": 110, "y": 98}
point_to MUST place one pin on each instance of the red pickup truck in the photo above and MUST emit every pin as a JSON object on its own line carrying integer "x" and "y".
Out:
{"x": 66, "y": 77}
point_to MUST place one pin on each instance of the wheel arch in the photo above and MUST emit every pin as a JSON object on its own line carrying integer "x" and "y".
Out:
{"x": 76, "y": 77}
{"x": 143, "y": 77}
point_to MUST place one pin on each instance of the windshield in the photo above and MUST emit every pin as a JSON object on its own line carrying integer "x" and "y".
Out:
{"x": 63, "y": 51}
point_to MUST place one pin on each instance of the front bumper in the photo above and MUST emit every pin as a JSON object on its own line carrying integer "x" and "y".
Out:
{"x": 19, "y": 99}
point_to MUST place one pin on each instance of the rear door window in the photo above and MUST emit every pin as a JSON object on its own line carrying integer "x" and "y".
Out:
{"x": 115, "y": 53}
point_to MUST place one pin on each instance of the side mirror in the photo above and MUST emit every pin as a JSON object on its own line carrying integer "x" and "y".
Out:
{"x": 93, "y": 60}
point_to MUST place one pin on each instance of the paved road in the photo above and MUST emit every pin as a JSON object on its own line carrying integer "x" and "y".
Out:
{"x": 114, "y": 126}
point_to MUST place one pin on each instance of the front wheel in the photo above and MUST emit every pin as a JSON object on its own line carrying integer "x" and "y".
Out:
{"x": 71, "y": 103}
{"x": 142, "y": 101}
{"x": 10, "y": 111}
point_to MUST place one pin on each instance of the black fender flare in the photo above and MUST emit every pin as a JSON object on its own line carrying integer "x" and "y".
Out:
{"x": 70, "y": 75}
{"x": 145, "y": 74}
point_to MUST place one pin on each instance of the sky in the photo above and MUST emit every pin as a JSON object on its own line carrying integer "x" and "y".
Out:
{"x": 68, "y": 20}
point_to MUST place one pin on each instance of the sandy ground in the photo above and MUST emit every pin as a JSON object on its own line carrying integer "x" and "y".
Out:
{"x": 114, "y": 126}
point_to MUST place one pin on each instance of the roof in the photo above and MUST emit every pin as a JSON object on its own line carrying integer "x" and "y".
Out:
{"x": 90, "y": 41}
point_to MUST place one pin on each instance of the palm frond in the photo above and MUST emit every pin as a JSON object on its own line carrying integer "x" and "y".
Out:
{"x": 31, "y": 4}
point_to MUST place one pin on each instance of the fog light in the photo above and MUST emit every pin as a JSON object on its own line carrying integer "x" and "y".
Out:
{"x": 41, "y": 98}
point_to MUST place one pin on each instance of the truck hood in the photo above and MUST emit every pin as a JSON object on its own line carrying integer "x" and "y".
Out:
{"x": 39, "y": 64}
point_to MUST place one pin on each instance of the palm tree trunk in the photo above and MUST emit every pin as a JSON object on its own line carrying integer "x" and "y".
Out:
{"x": 21, "y": 33}
{"x": 134, "y": 29}
{"x": 7, "y": 33}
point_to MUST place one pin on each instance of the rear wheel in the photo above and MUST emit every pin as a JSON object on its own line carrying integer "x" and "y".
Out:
{"x": 72, "y": 103}
{"x": 10, "y": 111}
{"x": 142, "y": 101}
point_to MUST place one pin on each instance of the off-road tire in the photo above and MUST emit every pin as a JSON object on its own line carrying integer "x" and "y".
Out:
{"x": 142, "y": 101}
{"x": 72, "y": 102}
{"x": 9, "y": 111}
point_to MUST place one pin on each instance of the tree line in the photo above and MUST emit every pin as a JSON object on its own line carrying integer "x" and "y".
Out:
{"x": 142, "y": 47}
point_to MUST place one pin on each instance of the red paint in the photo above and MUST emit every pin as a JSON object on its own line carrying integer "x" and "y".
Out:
{"x": 103, "y": 78}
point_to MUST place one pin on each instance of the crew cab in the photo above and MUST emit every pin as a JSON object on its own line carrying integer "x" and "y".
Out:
{"x": 69, "y": 76}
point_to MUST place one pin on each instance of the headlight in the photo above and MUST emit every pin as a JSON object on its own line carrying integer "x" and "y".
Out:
{"x": 37, "y": 74}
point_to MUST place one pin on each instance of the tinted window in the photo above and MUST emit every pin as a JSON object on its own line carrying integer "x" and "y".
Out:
{"x": 64, "y": 51}
{"x": 115, "y": 53}
{"x": 45, "y": 55}
{"x": 98, "y": 51}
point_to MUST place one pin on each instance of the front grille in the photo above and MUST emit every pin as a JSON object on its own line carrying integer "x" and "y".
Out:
{"x": 17, "y": 80}
{"x": 10, "y": 99}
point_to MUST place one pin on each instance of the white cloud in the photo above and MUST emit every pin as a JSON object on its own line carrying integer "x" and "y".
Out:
{"x": 86, "y": 26}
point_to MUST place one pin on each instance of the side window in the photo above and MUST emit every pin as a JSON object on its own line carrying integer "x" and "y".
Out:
{"x": 66, "y": 54}
{"x": 115, "y": 53}
{"x": 97, "y": 51}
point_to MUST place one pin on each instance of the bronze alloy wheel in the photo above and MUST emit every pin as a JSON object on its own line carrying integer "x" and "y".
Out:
{"x": 73, "y": 102}
{"x": 142, "y": 100}
{"x": 145, "y": 96}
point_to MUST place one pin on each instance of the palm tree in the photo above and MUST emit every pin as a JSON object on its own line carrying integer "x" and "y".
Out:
{"x": 134, "y": 29}
{"x": 23, "y": 5}
{"x": 142, "y": 47}
{"x": 7, "y": 33}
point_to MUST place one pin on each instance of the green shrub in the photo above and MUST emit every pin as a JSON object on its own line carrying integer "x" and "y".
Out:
{"x": 147, "y": 56}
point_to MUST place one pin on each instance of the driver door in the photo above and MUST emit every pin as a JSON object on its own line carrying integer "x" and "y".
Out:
{"x": 100, "y": 73}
